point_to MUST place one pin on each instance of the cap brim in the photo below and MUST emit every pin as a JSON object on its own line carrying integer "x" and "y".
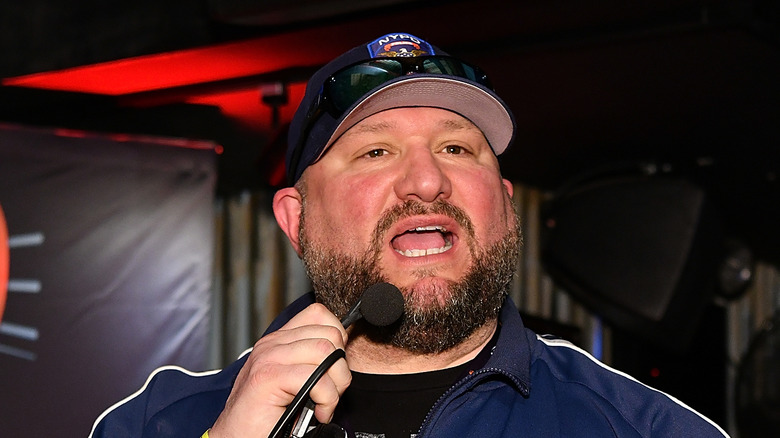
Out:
{"x": 477, "y": 105}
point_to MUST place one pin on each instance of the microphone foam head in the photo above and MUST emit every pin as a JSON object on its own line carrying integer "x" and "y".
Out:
{"x": 382, "y": 304}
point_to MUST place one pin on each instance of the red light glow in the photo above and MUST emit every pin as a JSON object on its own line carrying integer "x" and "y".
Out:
{"x": 185, "y": 67}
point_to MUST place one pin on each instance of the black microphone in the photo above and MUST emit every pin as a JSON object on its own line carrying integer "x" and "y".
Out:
{"x": 380, "y": 305}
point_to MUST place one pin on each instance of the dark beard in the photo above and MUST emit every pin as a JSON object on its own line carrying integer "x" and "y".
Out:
{"x": 340, "y": 279}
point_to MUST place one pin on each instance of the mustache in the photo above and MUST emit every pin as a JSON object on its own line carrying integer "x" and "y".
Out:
{"x": 416, "y": 208}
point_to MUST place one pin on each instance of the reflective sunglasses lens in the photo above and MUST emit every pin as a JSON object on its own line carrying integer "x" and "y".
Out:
{"x": 442, "y": 66}
{"x": 453, "y": 67}
{"x": 349, "y": 85}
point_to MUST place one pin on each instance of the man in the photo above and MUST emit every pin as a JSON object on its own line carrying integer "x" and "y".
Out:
{"x": 393, "y": 157}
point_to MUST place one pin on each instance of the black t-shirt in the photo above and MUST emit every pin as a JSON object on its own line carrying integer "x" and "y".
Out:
{"x": 395, "y": 405}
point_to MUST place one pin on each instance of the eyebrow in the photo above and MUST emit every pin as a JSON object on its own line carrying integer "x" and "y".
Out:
{"x": 456, "y": 125}
{"x": 370, "y": 128}
{"x": 448, "y": 124}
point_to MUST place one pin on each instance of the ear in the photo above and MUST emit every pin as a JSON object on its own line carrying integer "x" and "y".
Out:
{"x": 510, "y": 189}
{"x": 287, "y": 210}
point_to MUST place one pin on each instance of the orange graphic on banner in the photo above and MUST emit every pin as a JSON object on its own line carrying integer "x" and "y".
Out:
{"x": 4, "y": 262}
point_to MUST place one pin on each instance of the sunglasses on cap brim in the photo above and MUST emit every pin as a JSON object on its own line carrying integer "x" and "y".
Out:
{"x": 345, "y": 87}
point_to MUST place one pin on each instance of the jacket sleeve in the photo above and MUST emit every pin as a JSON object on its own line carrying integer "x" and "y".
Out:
{"x": 172, "y": 402}
{"x": 175, "y": 402}
{"x": 605, "y": 396}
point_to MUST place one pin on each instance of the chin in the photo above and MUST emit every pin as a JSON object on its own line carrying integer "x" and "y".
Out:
{"x": 429, "y": 292}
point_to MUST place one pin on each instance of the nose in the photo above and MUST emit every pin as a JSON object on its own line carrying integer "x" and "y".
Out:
{"x": 423, "y": 177}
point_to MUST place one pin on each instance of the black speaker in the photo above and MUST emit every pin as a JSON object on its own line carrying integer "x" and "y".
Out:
{"x": 640, "y": 251}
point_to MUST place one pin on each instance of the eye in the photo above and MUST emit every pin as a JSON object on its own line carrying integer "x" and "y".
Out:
{"x": 375, "y": 153}
{"x": 454, "y": 149}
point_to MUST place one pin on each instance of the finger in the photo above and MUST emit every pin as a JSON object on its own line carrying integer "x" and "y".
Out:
{"x": 280, "y": 383}
{"x": 341, "y": 375}
{"x": 327, "y": 392}
{"x": 286, "y": 367}
{"x": 310, "y": 351}
{"x": 316, "y": 315}
{"x": 260, "y": 395}
{"x": 272, "y": 383}
{"x": 289, "y": 346}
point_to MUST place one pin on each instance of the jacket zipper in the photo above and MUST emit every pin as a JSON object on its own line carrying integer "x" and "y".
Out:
{"x": 471, "y": 380}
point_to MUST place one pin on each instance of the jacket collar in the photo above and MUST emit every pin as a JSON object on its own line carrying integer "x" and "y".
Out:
{"x": 511, "y": 354}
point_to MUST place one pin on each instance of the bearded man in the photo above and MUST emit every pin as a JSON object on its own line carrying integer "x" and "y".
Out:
{"x": 394, "y": 176}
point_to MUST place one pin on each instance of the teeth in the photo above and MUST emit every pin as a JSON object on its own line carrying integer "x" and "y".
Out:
{"x": 425, "y": 252}
{"x": 430, "y": 251}
{"x": 430, "y": 228}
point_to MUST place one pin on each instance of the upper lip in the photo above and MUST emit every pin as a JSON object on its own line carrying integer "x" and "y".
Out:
{"x": 441, "y": 223}
{"x": 415, "y": 223}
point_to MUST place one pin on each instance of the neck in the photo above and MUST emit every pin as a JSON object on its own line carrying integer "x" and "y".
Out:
{"x": 366, "y": 356}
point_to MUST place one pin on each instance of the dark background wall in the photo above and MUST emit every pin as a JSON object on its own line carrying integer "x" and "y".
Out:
{"x": 683, "y": 89}
{"x": 677, "y": 86}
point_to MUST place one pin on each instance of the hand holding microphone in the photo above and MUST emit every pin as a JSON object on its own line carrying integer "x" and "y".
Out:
{"x": 380, "y": 305}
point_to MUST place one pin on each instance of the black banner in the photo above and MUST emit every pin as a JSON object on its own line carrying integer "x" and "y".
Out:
{"x": 106, "y": 250}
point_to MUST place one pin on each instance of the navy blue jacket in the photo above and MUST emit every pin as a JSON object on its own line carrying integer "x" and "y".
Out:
{"x": 530, "y": 387}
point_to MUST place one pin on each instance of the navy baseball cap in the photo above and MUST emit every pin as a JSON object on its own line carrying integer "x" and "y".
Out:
{"x": 394, "y": 71}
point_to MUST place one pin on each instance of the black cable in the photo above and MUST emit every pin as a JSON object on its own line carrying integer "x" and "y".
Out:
{"x": 284, "y": 425}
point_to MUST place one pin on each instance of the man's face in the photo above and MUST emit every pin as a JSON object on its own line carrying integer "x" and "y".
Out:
{"x": 412, "y": 196}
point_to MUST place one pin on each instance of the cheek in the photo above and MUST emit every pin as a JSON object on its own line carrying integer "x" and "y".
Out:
{"x": 345, "y": 213}
{"x": 492, "y": 209}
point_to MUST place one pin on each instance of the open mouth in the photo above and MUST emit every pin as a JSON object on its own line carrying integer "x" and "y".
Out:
{"x": 423, "y": 241}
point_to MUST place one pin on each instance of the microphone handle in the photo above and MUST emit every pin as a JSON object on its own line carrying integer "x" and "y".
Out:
{"x": 353, "y": 315}
{"x": 302, "y": 423}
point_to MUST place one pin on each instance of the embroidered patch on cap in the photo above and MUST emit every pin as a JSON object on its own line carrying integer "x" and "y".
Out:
{"x": 399, "y": 45}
